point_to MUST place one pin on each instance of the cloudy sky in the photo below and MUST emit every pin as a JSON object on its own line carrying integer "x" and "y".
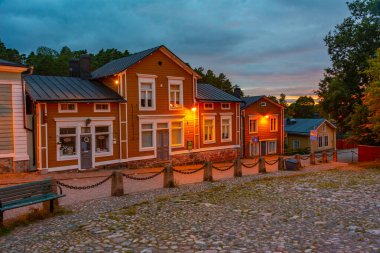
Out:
{"x": 265, "y": 46}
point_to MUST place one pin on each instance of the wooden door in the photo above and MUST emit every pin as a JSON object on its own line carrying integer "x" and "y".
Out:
{"x": 263, "y": 148}
{"x": 163, "y": 144}
{"x": 86, "y": 152}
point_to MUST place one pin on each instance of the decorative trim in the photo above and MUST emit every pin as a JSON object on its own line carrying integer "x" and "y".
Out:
{"x": 209, "y": 114}
{"x": 63, "y": 168}
{"x": 159, "y": 116}
{"x": 226, "y": 113}
{"x": 140, "y": 158}
{"x": 175, "y": 78}
{"x": 76, "y": 119}
{"x": 146, "y": 75}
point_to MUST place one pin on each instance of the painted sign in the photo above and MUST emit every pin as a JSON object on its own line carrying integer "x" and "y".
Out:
{"x": 255, "y": 139}
{"x": 313, "y": 135}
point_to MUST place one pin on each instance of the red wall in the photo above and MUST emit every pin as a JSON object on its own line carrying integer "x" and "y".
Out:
{"x": 344, "y": 144}
{"x": 368, "y": 153}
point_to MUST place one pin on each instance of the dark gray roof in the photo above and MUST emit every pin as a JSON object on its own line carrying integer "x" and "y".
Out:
{"x": 61, "y": 88}
{"x": 208, "y": 92}
{"x": 12, "y": 64}
{"x": 118, "y": 65}
{"x": 302, "y": 126}
{"x": 250, "y": 100}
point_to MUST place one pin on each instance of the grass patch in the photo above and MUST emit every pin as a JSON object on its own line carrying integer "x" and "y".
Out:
{"x": 328, "y": 185}
{"x": 162, "y": 198}
{"x": 131, "y": 211}
{"x": 34, "y": 215}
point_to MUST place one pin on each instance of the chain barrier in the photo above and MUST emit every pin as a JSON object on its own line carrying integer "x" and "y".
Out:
{"x": 353, "y": 152}
{"x": 72, "y": 187}
{"x": 250, "y": 165}
{"x": 144, "y": 178}
{"x": 330, "y": 155}
{"x": 190, "y": 172}
{"x": 304, "y": 157}
{"x": 225, "y": 168}
{"x": 317, "y": 156}
{"x": 271, "y": 162}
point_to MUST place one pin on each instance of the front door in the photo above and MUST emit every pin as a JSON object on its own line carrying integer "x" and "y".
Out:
{"x": 163, "y": 144}
{"x": 85, "y": 152}
{"x": 263, "y": 149}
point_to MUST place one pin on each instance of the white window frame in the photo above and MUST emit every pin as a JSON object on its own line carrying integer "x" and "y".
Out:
{"x": 182, "y": 134}
{"x": 275, "y": 147}
{"x": 206, "y": 109}
{"x": 152, "y": 80}
{"x": 180, "y": 83}
{"x": 203, "y": 129}
{"x": 320, "y": 141}
{"x": 326, "y": 137}
{"x": 299, "y": 144}
{"x": 60, "y": 110}
{"x": 263, "y": 103}
{"x": 77, "y": 140}
{"x": 97, "y": 110}
{"x": 141, "y": 148}
{"x": 228, "y": 107}
{"x": 270, "y": 123}
{"x": 230, "y": 128}
{"x": 251, "y": 118}
{"x": 110, "y": 138}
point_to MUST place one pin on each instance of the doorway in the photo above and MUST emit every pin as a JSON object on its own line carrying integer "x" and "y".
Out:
{"x": 263, "y": 148}
{"x": 163, "y": 144}
{"x": 86, "y": 152}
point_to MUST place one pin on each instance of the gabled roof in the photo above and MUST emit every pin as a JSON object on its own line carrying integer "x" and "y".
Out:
{"x": 208, "y": 92}
{"x": 303, "y": 126}
{"x": 119, "y": 65}
{"x": 69, "y": 89}
{"x": 11, "y": 64}
{"x": 250, "y": 100}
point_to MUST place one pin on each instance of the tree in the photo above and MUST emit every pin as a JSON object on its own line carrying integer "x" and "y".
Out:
{"x": 349, "y": 46}
{"x": 304, "y": 107}
{"x": 273, "y": 98}
{"x": 10, "y": 54}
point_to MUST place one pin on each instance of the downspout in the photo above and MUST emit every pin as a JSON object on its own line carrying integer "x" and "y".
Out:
{"x": 24, "y": 106}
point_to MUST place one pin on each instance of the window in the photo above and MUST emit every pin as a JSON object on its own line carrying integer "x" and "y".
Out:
{"x": 102, "y": 107}
{"x": 254, "y": 148}
{"x": 146, "y": 135}
{"x": 102, "y": 139}
{"x": 273, "y": 124}
{"x": 209, "y": 130}
{"x": 226, "y": 106}
{"x": 253, "y": 127}
{"x": 320, "y": 141}
{"x": 209, "y": 106}
{"x": 67, "y": 140}
{"x": 67, "y": 107}
{"x": 326, "y": 140}
{"x": 177, "y": 131}
{"x": 263, "y": 104}
{"x": 272, "y": 147}
{"x": 175, "y": 94}
{"x": 147, "y": 94}
{"x": 226, "y": 128}
{"x": 296, "y": 144}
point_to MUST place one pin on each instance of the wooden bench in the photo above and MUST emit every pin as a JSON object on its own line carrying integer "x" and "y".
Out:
{"x": 27, "y": 194}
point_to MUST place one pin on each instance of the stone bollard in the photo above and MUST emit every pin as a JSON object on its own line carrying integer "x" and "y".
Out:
{"x": 262, "y": 168}
{"x": 324, "y": 157}
{"x": 169, "y": 177}
{"x": 47, "y": 204}
{"x": 207, "y": 173}
{"x": 312, "y": 158}
{"x": 117, "y": 186}
{"x": 335, "y": 156}
{"x": 281, "y": 163}
{"x": 237, "y": 168}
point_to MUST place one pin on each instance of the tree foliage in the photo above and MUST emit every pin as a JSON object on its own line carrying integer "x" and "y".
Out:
{"x": 304, "y": 107}
{"x": 349, "y": 46}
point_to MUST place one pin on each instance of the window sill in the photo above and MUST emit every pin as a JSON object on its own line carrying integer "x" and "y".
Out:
{"x": 147, "y": 109}
{"x": 253, "y": 132}
{"x": 146, "y": 149}
{"x": 178, "y": 146}
{"x": 227, "y": 140}
{"x": 67, "y": 158}
{"x": 273, "y": 131}
{"x": 101, "y": 154}
{"x": 176, "y": 109}
{"x": 209, "y": 142}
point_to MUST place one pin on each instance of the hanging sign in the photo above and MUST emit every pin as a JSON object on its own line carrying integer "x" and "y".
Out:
{"x": 255, "y": 139}
{"x": 313, "y": 135}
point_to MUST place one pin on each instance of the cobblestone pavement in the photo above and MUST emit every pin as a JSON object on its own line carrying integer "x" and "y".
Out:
{"x": 325, "y": 211}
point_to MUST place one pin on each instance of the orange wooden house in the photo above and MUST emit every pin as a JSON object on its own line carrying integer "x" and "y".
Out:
{"x": 263, "y": 127}
{"x": 136, "y": 111}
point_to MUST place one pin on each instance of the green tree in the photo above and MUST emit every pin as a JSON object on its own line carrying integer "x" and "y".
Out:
{"x": 10, "y": 54}
{"x": 349, "y": 46}
{"x": 304, "y": 107}
{"x": 273, "y": 98}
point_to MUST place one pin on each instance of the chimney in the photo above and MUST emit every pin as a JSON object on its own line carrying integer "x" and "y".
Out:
{"x": 85, "y": 66}
{"x": 237, "y": 92}
{"x": 74, "y": 69}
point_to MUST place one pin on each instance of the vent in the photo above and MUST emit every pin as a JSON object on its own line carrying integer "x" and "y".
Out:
{"x": 263, "y": 103}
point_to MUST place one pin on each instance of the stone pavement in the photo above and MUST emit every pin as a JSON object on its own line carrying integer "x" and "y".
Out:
{"x": 321, "y": 211}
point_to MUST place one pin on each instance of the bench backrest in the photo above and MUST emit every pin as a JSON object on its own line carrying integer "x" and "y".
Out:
{"x": 27, "y": 190}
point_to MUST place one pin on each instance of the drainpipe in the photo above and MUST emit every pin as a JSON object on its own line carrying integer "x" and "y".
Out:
{"x": 23, "y": 105}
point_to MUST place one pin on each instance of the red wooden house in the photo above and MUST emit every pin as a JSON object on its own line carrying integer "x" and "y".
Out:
{"x": 263, "y": 127}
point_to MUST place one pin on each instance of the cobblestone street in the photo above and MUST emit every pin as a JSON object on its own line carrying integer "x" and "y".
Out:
{"x": 325, "y": 211}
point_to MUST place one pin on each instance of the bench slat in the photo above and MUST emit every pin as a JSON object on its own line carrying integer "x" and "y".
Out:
{"x": 8, "y": 189}
{"x": 14, "y": 191}
{"x": 24, "y": 194}
{"x": 31, "y": 201}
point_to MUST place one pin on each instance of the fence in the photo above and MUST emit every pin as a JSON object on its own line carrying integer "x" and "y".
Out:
{"x": 117, "y": 177}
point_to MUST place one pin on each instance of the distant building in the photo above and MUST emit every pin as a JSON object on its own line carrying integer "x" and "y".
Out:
{"x": 298, "y": 135}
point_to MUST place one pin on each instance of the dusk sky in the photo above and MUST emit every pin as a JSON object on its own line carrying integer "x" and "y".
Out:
{"x": 265, "y": 46}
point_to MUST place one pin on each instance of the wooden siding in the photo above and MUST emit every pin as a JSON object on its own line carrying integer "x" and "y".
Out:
{"x": 264, "y": 132}
{"x": 6, "y": 126}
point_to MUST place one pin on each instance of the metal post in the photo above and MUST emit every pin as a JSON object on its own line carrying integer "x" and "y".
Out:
{"x": 117, "y": 187}
{"x": 280, "y": 163}
{"x": 237, "y": 168}
{"x": 169, "y": 177}
{"x": 207, "y": 176}
{"x": 262, "y": 168}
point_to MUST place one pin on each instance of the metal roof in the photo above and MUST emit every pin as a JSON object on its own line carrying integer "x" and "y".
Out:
{"x": 118, "y": 65}
{"x": 302, "y": 126}
{"x": 62, "y": 88}
{"x": 208, "y": 92}
{"x": 12, "y": 64}
{"x": 250, "y": 100}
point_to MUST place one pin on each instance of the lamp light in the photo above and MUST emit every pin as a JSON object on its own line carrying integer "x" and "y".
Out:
{"x": 266, "y": 116}
{"x": 194, "y": 109}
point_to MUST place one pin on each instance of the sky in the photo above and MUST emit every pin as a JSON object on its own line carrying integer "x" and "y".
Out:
{"x": 267, "y": 47}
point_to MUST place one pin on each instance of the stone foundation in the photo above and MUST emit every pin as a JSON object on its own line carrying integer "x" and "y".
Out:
{"x": 6, "y": 165}
{"x": 21, "y": 166}
{"x": 222, "y": 155}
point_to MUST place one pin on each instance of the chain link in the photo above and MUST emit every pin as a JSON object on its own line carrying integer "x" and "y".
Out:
{"x": 189, "y": 172}
{"x": 73, "y": 187}
{"x": 225, "y": 168}
{"x": 304, "y": 157}
{"x": 250, "y": 165}
{"x": 271, "y": 162}
{"x": 144, "y": 178}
